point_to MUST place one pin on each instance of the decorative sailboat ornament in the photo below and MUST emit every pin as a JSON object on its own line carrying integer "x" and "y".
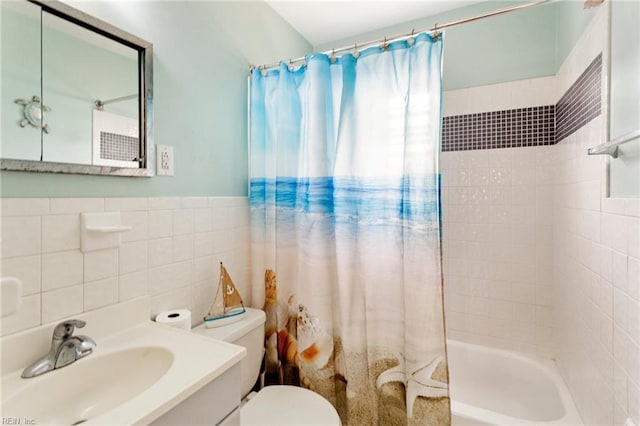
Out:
{"x": 227, "y": 306}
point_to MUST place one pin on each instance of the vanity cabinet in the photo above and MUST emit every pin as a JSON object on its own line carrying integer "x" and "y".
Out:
{"x": 215, "y": 404}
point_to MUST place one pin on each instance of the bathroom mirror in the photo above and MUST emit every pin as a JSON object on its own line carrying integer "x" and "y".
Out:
{"x": 76, "y": 93}
{"x": 624, "y": 101}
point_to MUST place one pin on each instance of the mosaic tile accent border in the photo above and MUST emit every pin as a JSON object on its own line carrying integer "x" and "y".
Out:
{"x": 533, "y": 126}
{"x": 582, "y": 102}
{"x": 499, "y": 129}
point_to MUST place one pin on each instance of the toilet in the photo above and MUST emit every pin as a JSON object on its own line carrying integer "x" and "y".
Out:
{"x": 273, "y": 405}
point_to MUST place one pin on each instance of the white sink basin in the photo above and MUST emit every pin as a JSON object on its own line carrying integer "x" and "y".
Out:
{"x": 138, "y": 371}
{"x": 89, "y": 387}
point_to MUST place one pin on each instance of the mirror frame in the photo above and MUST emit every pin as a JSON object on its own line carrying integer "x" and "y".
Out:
{"x": 145, "y": 99}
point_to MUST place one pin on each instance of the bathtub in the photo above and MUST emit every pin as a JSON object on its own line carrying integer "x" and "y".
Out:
{"x": 497, "y": 387}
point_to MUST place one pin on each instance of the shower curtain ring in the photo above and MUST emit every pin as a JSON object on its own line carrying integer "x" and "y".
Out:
{"x": 385, "y": 45}
{"x": 356, "y": 54}
{"x": 290, "y": 65}
{"x": 436, "y": 33}
{"x": 332, "y": 58}
{"x": 411, "y": 38}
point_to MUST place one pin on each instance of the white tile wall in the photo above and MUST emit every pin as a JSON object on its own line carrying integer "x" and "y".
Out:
{"x": 172, "y": 254}
{"x": 595, "y": 265}
{"x": 536, "y": 258}
{"x": 497, "y": 229}
{"x": 497, "y": 248}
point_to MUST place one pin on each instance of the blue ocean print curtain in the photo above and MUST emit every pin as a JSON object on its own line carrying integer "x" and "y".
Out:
{"x": 345, "y": 225}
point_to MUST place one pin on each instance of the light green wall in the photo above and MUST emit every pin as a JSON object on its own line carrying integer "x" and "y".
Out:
{"x": 202, "y": 51}
{"x": 504, "y": 48}
{"x": 571, "y": 21}
{"x": 523, "y": 44}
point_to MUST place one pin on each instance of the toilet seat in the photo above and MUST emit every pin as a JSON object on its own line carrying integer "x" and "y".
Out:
{"x": 288, "y": 405}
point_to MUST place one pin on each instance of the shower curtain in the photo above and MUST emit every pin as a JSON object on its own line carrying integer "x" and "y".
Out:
{"x": 345, "y": 225}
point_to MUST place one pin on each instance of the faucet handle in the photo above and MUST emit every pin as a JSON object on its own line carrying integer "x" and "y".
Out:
{"x": 65, "y": 329}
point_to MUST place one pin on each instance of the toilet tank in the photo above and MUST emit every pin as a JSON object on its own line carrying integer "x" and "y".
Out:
{"x": 247, "y": 332}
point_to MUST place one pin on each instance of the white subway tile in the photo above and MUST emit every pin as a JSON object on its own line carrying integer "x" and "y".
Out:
{"x": 632, "y": 207}
{"x": 139, "y": 220}
{"x": 62, "y": 269}
{"x": 620, "y": 271}
{"x": 62, "y": 303}
{"x": 633, "y": 242}
{"x": 222, "y": 218}
{"x": 183, "y": 274}
{"x": 633, "y": 277}
{"x": 479, "y": 158}
{"x": 634, "y": 402}
{"x": 205, "y": 269}
{"x": 194, "y": 202}
{"x": 163, "y": 203}
{"x": 203, "y": 220}
{"x": 100, "y": 293}
{"x": 133, "y": 285}
{"x": 160, "y": 279}
{"x": 160, "y": 251}
{"x": 24, "y": 206}
{"x": 620, "y": 308}
{"x": 126, "y": 204}
{"x": 633, "y": 319}
{"x": 160, "y": 223}
{"x": 27, "y": 269}
{"x": 182, "y": 247}
{"x": 619, "y": 345}
{"x": 27, "y": 317}
{"x": 633, "y": 361}
{"x": 20, "y": 236}
{"x": 100, "y": 264}
{"x": 134, "y": 257}
{"x": 76, "y": 205}
{"x": 204, "y": 243}
{"x": 60, "y": 232}
{"x": 182, "y": 221}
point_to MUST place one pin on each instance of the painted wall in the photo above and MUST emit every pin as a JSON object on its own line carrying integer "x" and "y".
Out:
{"x": 202, "y": 51}
{"x": 521, "y": 45}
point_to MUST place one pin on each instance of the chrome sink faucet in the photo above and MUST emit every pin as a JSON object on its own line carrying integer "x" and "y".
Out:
{"x": 65, "y": 349}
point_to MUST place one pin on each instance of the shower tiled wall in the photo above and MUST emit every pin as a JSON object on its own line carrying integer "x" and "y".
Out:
{"x": 172, "y": 254}
{"x": 596, "y": 261}
{"x": 537, "y": 257}
{"x": 497, "y": 222}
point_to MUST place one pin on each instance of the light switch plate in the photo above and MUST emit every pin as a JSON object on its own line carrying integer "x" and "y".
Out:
{"x": 164, "y": 160}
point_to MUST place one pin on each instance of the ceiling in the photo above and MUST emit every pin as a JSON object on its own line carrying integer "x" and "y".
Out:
{"x": 324, "y": 21}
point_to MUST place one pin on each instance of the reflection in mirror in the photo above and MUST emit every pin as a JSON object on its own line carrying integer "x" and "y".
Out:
{"x": 79, "y": 67}
{"x": 20, "y": 36}
{"x": 77, "y": 92}
{"x": 624, "y": 112}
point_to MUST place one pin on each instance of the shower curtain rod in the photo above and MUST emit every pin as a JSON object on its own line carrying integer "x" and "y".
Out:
{"x": 100, "y": 104}
{"x": 435, "y": 29}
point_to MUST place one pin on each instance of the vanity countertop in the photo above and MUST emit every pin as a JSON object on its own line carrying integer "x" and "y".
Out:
{"x": 165, "y": 364}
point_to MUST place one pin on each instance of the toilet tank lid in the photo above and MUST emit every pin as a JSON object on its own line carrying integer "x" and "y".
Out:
{"x": 252, "y": 319}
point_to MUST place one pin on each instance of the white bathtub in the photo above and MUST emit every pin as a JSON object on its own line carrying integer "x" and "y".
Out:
{"x": 497, "y": 387}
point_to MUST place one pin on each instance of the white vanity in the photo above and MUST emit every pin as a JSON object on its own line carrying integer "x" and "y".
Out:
{"x": 139, "y": 373}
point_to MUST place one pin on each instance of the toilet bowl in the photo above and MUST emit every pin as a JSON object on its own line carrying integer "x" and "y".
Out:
{"x": 273, "y": 405}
